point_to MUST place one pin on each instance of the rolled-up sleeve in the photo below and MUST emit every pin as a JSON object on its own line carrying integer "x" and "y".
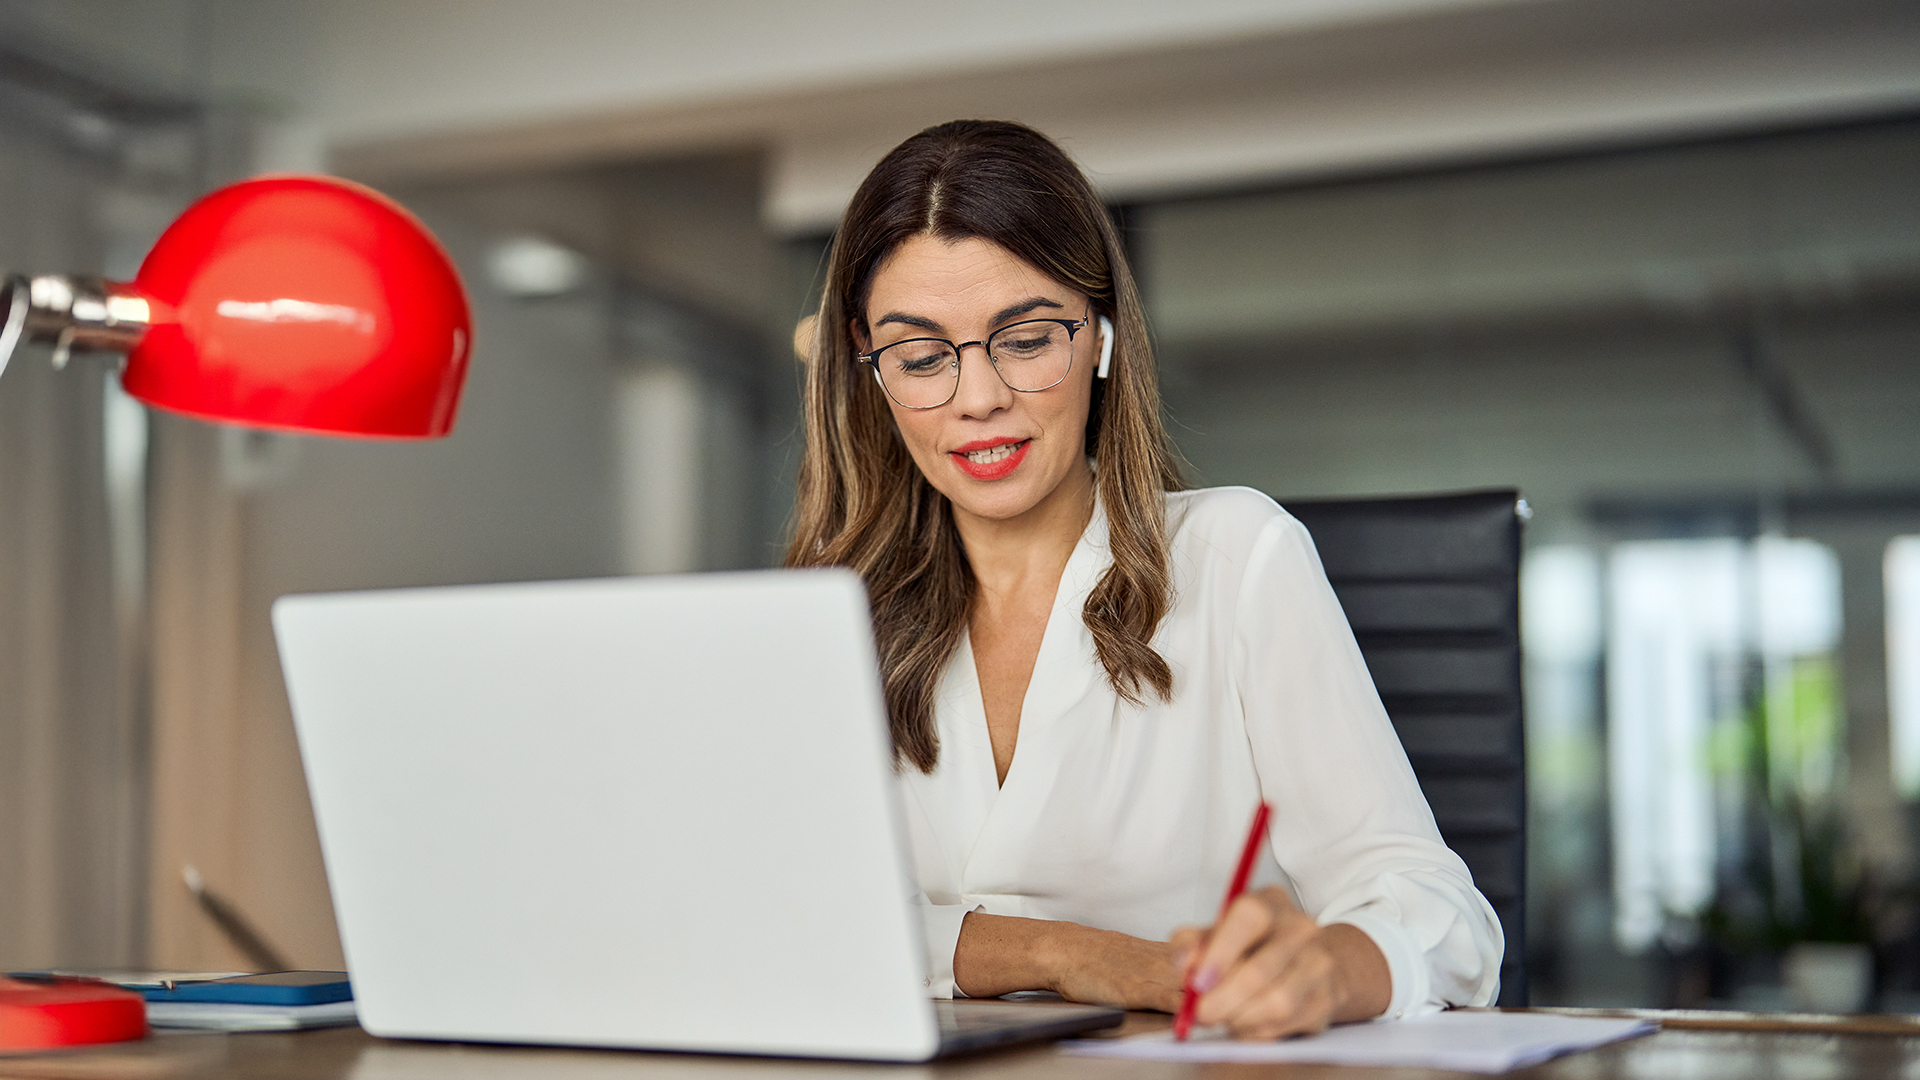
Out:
{"x": 1351, "y": 829}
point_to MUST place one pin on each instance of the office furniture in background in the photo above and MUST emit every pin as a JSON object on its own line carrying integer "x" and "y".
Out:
{"x": 1431, "y": 586}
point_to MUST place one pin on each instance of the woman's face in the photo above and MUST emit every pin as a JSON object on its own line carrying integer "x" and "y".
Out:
{"x": 995, "y": 452}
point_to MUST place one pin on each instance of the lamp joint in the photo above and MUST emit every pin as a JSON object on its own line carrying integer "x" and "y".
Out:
{"x": 76, "y": 311}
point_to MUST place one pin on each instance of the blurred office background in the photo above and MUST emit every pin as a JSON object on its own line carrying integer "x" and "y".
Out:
{"x": 1656, "y": 264}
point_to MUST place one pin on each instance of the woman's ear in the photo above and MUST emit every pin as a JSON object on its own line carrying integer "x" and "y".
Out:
{"x": 1106, "y": 347}
{"x": 861, "y": 342}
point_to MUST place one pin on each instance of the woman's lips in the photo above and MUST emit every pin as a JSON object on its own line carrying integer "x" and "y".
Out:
{"x": 991, "y": 462}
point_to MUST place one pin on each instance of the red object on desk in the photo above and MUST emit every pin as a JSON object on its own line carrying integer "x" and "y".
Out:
{"x": 302, "y": 303}
{"x": 39, "y": 1016}
{"x": 1189, "y": 1000}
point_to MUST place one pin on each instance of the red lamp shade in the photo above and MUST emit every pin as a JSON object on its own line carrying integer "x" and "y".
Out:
{"x": 303, "y": 304}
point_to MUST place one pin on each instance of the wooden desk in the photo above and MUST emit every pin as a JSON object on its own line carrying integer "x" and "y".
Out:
{"x": 1839, "y": 1049}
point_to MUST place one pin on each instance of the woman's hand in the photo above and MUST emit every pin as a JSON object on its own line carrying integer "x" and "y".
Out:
{"x": 999, "y": 954}
{"x": 1266, "y": 970}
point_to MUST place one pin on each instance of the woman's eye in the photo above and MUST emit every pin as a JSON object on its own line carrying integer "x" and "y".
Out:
{"x": 1025, "y": 346}
{"x": 922, "y": 365}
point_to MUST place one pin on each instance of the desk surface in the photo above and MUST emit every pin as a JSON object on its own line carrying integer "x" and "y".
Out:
{"x": 351, "y": 1053}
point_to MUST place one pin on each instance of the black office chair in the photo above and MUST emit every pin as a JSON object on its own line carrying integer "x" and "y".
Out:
{"x": 1431, "y": 586}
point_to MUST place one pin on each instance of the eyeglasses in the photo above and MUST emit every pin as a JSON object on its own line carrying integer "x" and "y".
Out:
{"x": 924, "y": 373}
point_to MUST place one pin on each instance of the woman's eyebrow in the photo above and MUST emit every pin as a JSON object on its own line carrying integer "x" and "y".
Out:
{"x": 910, "y": 320}
{"x": 1030, "y": 304}
{"x": 1012, "y": 311}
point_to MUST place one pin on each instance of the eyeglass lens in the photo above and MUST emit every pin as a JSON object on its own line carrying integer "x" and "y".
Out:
{"x": 925, "y": 372}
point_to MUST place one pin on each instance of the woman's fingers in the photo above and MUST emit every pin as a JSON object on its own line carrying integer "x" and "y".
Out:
{"x": 1266, "y": 970}
{"x": 1257, "y": 971}
{"x": 1298, "y": 1000}
{"x": 1263, "y": 970}
{"x": 1242, "y": 926}
{"x": 1246, "y": 922}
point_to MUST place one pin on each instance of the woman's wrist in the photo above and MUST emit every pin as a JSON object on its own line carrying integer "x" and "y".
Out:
{"x": 1363, "y": 984}
{"x": 1058, "y": 947}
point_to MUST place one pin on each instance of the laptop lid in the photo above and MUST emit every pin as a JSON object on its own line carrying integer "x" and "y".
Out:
{"x": 652, "y": 813}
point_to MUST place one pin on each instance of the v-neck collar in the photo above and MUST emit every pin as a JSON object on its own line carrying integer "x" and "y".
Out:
{"x": 1060, "y": 669}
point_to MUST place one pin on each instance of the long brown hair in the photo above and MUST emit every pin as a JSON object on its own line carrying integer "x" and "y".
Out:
{"x": 864, "y": 504}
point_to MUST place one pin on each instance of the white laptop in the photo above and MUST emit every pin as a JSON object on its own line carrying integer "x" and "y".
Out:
{"x": 654, "y": 813}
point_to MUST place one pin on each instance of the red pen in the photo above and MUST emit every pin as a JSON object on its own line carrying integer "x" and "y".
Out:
{"x": 1183, "y": 1021}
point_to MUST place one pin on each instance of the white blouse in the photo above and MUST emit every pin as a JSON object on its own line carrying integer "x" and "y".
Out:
{"x": 1131, "y": 818}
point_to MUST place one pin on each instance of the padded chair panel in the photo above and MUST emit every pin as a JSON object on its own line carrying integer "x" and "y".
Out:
{"x": 1478, "y": 805}
{"x": 1462, "y": 740}
{"x": 1401, "y": 607}
{"x": 1498, "y": 875}
{"x": 1430, "y": 586}
{"x": 1397, "y": 539}
{"x": 1400, "y": 669}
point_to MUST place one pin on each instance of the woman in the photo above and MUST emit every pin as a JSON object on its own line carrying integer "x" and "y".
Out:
{"x": 1093, "y": 677}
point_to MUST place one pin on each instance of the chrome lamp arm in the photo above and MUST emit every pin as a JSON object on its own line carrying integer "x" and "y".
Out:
{"x": 69, "y": 311}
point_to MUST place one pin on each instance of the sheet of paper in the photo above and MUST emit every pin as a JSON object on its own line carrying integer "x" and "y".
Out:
{"x": 1482, "y": 1042}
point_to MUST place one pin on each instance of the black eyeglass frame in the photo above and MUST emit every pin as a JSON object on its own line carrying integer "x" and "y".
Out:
{"x": 872, "y": 359}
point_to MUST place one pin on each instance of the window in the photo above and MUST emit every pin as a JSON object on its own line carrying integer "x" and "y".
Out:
{"x": 1902, "y": 569}
{"x": 1720, "y": 679}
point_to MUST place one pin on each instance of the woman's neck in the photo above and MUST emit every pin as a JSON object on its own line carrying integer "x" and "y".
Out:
{"x": 1012, "y": 554}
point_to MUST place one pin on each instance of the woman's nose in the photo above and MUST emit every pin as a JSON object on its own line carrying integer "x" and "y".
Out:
{"x": 981, "y": 392}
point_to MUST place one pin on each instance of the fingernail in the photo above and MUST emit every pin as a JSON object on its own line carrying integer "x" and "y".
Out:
{"x": 1206, "y": 979}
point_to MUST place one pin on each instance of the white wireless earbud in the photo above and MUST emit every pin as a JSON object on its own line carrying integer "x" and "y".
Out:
{"x": 1106, "y": 347}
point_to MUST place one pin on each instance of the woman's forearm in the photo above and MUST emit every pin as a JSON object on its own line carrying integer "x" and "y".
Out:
{"x": 999, "y": 954}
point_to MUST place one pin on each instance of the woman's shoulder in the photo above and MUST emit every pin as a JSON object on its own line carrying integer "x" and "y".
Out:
{"x": 1224, "y": 516}
{"x": 1226, "y": 540}
{"x": 1224, "y": 530}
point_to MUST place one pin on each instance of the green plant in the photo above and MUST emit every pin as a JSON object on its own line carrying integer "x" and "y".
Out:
{"x": 1795, "y": 876}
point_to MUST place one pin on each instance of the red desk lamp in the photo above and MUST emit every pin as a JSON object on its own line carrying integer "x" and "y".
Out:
{"x": 290, "y": 303}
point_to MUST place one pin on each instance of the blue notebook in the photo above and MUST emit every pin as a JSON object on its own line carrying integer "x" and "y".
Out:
{"x": 272, "y": 988}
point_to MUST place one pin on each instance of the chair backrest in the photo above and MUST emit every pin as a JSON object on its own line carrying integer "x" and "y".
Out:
{"x": 1431, "y": 586}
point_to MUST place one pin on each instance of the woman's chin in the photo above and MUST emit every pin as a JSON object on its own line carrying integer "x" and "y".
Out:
{"x": 1006, "y": 499}
{"x": 1001, "y": 501}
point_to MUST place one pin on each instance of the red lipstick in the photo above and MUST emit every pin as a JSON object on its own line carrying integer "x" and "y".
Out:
{"x": 997, "y": 469}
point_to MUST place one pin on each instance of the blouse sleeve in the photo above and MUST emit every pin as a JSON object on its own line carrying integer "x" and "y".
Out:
{"x": 934, "y": 898}
{"x": 940, "y": 931}
{"x": 1351, "y": 828}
